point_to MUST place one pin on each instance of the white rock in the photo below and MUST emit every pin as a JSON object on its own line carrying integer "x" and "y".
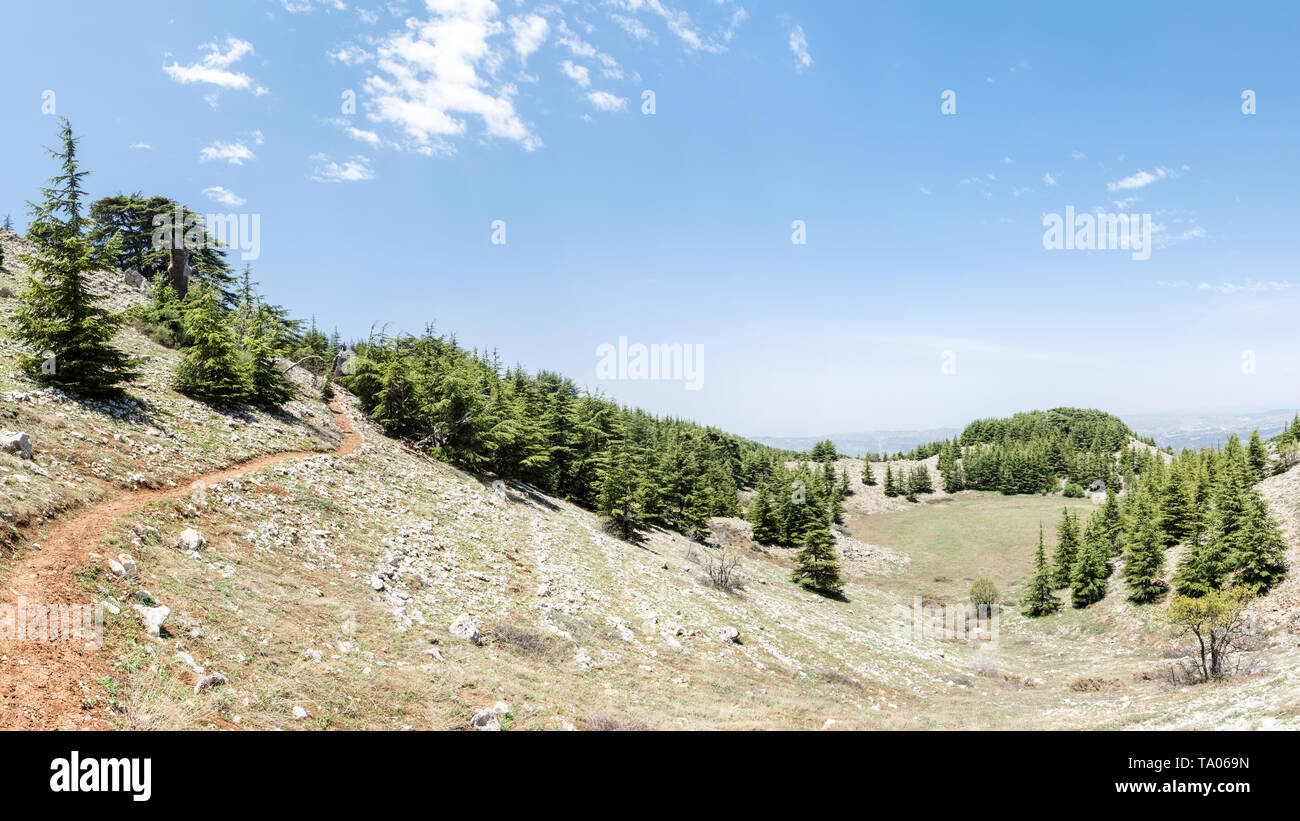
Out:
{"x": 208, "y": 682}
{"x": 463, "y": 628}
{"x": 485, "y": 720}
{"x": 500, "y": 708}
{"x": 191, "y": 539}
{"x": 188, "y": 661}
{"x": 128, "y": 565}
{"x": 153, "y": 617}
{"x": 12, "y": 441}
{"x": 730, "y": 635}
{"x": 299, "y": 712}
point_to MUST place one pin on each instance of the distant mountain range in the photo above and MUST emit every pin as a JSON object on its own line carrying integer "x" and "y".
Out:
{"x": 1176, "y": 430}
{"x": 1207, "y": 430}
{"x": 870, "y": 441}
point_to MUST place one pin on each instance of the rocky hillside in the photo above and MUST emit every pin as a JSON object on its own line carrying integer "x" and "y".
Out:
{"x": 341, "y": 580}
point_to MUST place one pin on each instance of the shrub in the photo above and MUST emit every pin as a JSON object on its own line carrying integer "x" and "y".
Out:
{"x": 723, "y": 572}
{"x": 984, "y": 592}
{"x": 608, "y": 723}
{"x": 1073, "y": 489}
{"x": 1218, "y": 621}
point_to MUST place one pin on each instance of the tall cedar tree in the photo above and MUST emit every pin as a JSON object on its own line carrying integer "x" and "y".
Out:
{"x": 70, "y": 338}
{"x": 1256, "y": 456}
{"x": 1259, "y": 560}
{"x": 266, "y": 384}
{"x": 816, "y": 567}
{"x": 1144, "y": 556}
{"x": 1040, "y": 600}
{"x": 868, "y": 478}
{"x": 209, "y": 368}
{"x": 1067, "y": 549}
{"x": 1088, "y": 577}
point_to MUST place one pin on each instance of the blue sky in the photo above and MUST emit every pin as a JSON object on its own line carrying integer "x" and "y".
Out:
{"x": 924, "y": 229}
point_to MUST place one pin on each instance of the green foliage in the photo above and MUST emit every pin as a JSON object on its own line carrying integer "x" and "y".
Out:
{"x": 1039, "y": 599}
{"x": 1067, "y": 550}
{"x": 636, "y": 469}
{"x": 868, "y": 478}
{"x": 984, "y": 593}
{"x": 1073, "y": 490}
{"x": 816, "y": 567}
{"x": 209, "y": 368}
{"x": 68, "y": 335}
{"x": 1091, "y": 568}
{"x": 1144, "y": 555}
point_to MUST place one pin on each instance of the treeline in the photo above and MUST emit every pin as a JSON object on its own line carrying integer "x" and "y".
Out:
{"x": 1205, "y": 501}
{"x": 633, "y": 468}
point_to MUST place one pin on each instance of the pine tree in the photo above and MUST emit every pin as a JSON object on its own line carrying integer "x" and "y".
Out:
{"x": 1067, "y": 549}
{"x": 209, "y": 368}
{"x": 762, "y": 518}
{"x": 69, "y": 336}
{"x": 816, "y": 567}
{"x": 868, "y": 478}
{"x": 1144, "y": 556}
{"x": 1040, "y": 600}
{"x": 266, "y": 384}
{"x": 1258, "y": 560}
{"x": 1256, "y": 457}
{"x": 618, "y": 497}
{"x": 891, "y": 487}
{"x": 1202, "y": 568}
{"x": 1088, "y": 577}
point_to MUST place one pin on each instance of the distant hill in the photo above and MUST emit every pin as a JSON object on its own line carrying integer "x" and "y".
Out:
{"x": 856, "y": 444}
{"x": 1207, "y": 430}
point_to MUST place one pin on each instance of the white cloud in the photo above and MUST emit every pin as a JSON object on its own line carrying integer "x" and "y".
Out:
{"x": 301, "y": 6}
{"x": 579, "y": 74}
{"x": 350, "y": 55}
{"x": 140, "y": 147}
{"x": 224, "y": 196}
{"x": 235, "y": 153}
{"x": 1077, "y": 154}
{"x": 214, "y": 67}
{"x": 1139, "y": 180}
{"x": 606, "y": 101}
{"x": 530, "y": 32}
{"x": 354, "y": 169}
{"x": 799, "y": 48}
{"x": 429, "y": 75}
{"x": 1252, "y": 286}
{"x": 1048, "y": 178}
{"x": 367, "y": 16}
{"x": 358, "y": 134}
{"x": 635, "y": 28}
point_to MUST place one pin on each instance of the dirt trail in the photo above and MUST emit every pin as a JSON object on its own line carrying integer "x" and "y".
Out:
{"x": 43, "y": 683}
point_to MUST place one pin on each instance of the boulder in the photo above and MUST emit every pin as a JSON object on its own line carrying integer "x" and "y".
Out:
{"x": 485, "y": 720}
{"x": 153, "y": 618}
{"x": 208, "y": 682}
{"x": 12, "y": 441}
{"x": 191, "y": 539}
{"x": 463, "y": 628}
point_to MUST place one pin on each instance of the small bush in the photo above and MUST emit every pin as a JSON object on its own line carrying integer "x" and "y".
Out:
{"x": 604, "y": 723}
{"x": 984, "y": 592}
{"x": 525, "y": 640}
{"x": 723, "y": 572}
{"x": 842, "y": 679}
{"x": 1073, "y": 489}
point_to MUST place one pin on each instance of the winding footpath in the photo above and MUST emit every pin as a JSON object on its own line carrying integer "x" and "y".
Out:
{"x": 44, "y": 684}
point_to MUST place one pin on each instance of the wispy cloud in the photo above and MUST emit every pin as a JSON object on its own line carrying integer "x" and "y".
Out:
{"x": 579, "y": 74}
{"x": 140, "y": 147}
{"x": 1139, "y": 180}
{"x": 224, "y": 196}
{"x": 606, "y": 101}
{"x": 214, "y": 68}
{"x": 354, "y": 169}
{"x": 799, "y": 48}
{"x": 235, "y": 153}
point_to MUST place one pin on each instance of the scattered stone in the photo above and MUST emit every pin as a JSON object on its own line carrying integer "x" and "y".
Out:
{"x": 730, "y": 635}
{"x": 210, "y": 681}
{"x": 299, "y": 712}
